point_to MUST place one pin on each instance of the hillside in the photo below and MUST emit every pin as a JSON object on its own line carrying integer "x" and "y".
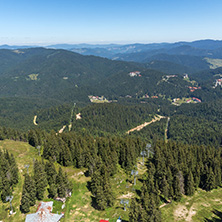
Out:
{"x": 57, "y": 74}
{"x": 70, "y": 77}
{"x": 196, "y": 56}
{"x": 149, "y": 82}
{"x": 200, "y": 47}
{"x": 168, "y": 67}
{"x": 202, "y": 205}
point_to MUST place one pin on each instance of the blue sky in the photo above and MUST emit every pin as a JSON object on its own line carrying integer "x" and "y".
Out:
{"x": 45, "y": 22}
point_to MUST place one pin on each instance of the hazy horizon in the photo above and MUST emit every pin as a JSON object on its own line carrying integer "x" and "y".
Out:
{"x": 102, "y": 43}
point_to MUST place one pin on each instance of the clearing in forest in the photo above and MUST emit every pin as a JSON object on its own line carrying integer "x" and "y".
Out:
{"x": 34, "y": 120}
{"x": 62, "y": 129}
{"x": 138, "y": 128}
{"x": 198, "y": 207}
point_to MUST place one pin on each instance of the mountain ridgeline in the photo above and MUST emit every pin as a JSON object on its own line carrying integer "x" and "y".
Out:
{"x": 45, "y": 82}
{"x": 98, "y": 116}
{"x": 57, "y": 74}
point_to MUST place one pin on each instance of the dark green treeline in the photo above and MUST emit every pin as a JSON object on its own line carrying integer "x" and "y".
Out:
{"x": 8, "y": 174}
{"x": 175, "y": 170}
{"x": 44, "y": 175}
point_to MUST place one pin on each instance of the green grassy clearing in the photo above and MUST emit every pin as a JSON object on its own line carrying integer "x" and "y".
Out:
{"x": 78, "y": 207}
{"x": 33, "y": 77}
{"x": 195, "y": 208}
{"x": 214, "y": 63}
{"x": 181, "y": 101}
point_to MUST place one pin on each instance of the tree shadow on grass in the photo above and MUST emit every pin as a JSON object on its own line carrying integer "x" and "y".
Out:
{"x": 218, "y": 217}
{"x": 138, "y": 192}
{"x": 89, "y": 186}
{"x": 94, "y": 203}
{"x": 86, "y": 173}
{"x": 163, "y": 199}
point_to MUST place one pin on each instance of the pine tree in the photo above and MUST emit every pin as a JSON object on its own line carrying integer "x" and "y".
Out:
{"x": 51, "y": 172}
{"x": 107, "y": 188}
{"x": 52, "y": 190}
{"x": 149, "y": 205}
{"x": 100, "y": 198}
{"x": 190, "y": 188}
{"x": 134, "y": 211}
{"x": 31, "y": 190}
{"x": 217, "y": 172}
{"x": 68, "y": 184}
{"x": 51, "y": 147}
{"x": 177, "y": 189}
{"x": 25, "y": 202}
{"x": 64, "y": 155}
{"x": 1, "y": 184}
{"x": 166, "y": 187}
{"x": 14, "y": 170}
{"x": 40, "y": 179}
{"x": 6, "y": 190}
{"x": 210, "y": 182}
{"x": 170, "y": 182}
{"x": 100, "y": 187}
{"x": 61, "y": 189}
{"x": 197, "y": 176}
{"x": 32, "y": 138}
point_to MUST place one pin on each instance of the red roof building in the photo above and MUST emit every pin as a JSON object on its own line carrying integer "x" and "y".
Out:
{"x": 44, "y": 214}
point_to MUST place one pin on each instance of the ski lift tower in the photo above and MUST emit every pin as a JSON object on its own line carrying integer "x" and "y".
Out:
{"x": 134, "y": 173}
{"x": 143, "y": 154}
{"x": 125, "y": 203}
{"x": 38, "y": 148}
{"x": 149, "y": 150}
{"x": 9, "y": 198}
{"x": 27, "y": 167}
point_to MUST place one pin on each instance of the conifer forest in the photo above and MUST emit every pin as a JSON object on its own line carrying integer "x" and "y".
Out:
{"x": 102, "y": 140}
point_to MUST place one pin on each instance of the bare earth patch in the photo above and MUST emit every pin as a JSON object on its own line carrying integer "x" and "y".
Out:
{"x": 34, "y": 120}
{"x": 138, "y": 128}
{"x": 191, "y": 213}
{"x": 78, "y": 116}
{"x": 163, "y": 205}
{"x": 180, "y": 212}
{"x": 62, "y": 129}
{"x": 129, "y": 195}
{"x": 205, "y": 205}
{"x": 218, "y": 200}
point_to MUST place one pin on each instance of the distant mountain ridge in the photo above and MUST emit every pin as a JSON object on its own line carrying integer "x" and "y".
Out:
{"x": 207, "y": 44}
{"x": 67, "y": 76}
{"x": 46, "y": 77}
{"x": 56, "y": 74}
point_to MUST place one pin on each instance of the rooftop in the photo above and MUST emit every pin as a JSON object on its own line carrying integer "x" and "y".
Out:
{"x": 44, "y": 214}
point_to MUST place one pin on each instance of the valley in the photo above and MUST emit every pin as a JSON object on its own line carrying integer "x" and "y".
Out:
{"x": 134, "y": 133}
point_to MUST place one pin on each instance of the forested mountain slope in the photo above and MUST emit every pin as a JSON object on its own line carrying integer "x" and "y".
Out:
{"x": 53, "y": 73}
{"x": 45, "y": 95}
